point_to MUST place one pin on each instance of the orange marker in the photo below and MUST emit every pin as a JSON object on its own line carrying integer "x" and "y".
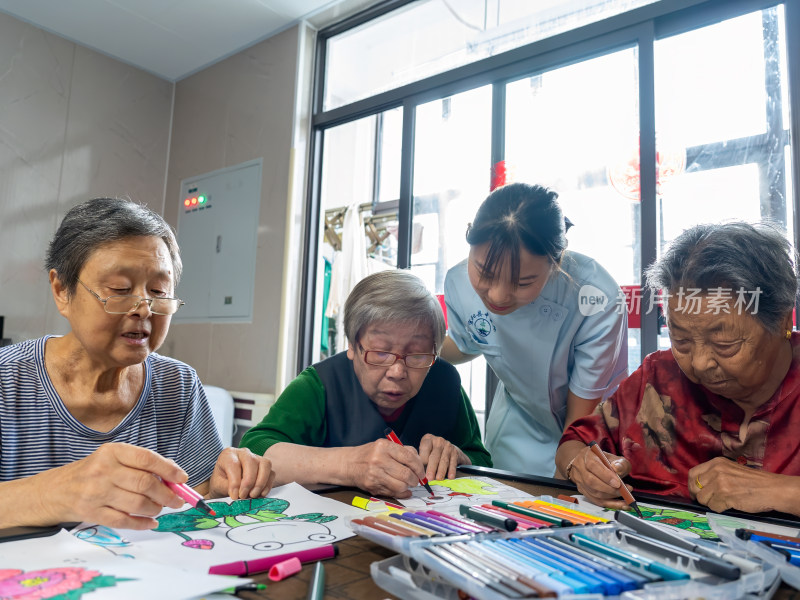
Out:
{"x": 626, "y": 494}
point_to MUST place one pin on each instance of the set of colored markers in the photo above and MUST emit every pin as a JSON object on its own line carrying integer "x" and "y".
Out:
{"x": 536, "y": 548}
{"x": 786, "y": 545}
{"x": 483, "y": 518}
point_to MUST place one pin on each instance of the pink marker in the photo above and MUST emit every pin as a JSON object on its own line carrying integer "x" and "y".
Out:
{"x": 190, "y": 496}
{"x": 259, "y": 565}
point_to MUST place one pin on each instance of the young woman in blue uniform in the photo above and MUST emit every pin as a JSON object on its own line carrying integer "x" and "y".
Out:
{"x": 548, "y": 321}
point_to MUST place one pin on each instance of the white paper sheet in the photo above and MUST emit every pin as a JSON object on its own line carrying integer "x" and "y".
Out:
{"x": 58, "y": 565}
{"x": 449, "y": 494}
{"x": 290, "y": 519}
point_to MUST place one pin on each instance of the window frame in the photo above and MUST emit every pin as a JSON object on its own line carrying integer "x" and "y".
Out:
{"x": 640, "y": 27}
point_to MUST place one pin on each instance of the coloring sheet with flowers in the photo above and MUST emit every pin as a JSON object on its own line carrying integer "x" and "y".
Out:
{"x": 289, "y": 519}
{"x": 62, "y": 566}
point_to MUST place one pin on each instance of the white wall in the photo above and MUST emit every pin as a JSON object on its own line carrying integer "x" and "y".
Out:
{"x": 242, "y": 108}
{"x": 76, "y": 124}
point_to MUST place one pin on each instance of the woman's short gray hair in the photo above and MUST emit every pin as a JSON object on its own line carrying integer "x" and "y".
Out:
{"x": 395, "y": 297}
{"x": 753, "y": 257}
{"x": 92, "y": 223}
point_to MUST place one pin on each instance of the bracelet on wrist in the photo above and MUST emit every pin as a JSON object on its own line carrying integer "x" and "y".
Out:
{"x": 568, "y": 471}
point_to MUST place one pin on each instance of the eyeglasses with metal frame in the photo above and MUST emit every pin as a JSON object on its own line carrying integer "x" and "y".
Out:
{"x": 381, "y": 358}
{"x": 122, "y": 305}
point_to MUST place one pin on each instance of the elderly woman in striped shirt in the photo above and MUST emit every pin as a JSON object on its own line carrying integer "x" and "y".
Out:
{"x": 92, "y": 422}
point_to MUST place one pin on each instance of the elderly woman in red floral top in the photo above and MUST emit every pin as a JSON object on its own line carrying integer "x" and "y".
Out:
{"x": 717, "y": 417}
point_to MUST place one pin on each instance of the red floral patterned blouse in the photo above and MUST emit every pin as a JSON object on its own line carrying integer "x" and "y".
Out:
{"x": 664, "y": 425}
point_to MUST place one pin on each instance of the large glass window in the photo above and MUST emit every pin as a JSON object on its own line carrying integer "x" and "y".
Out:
{"x": 569, "y": 129}
{"x": 721, "y": 119}
{"x": 574, "y": 110}
{"x": 451, "y": 179}
{"x": 360, "y": 187}
{"x": 428, "y": 37}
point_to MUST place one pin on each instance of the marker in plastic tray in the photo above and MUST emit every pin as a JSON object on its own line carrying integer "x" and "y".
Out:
{"x": 541, "y": 590}
{"x": 746, "y": 533}
{"x": 702, "y": 563}
{"x": 428, "y": 522}
{"x": 578, "y": 585}
{"x": 666, "y": 572}
{"x": 764, "y": 536}
{"x": 792, "y": 554}
{"x": 521, "y": 566}
{"x": 626, "y": 581}
{"x": 569, "y": 511}
{"x": 652, "y": 530}
{"x": 530, "y": 512}
{"x": 475, "y": 527}
{"x": 522, "y": 521}
{"x": 610, "y": 586}
{"x": 405, "y": 523}
{"x": 641, "y": 576}
{"x": 484, "y": 516}
{"x": 495, "y": 583}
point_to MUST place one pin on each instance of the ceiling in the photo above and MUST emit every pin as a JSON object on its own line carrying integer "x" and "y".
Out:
{"x": 174, "y": 38}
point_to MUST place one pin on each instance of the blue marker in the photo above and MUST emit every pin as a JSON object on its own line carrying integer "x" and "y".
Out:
{"x": 578, "y": 587}
{"x": 578, "y": 583}
{"x": 616, "y": 583}
{"x": 755, "y": 537}
{"x": 484, "y": 550}
{"x": 627, "y": 579}
{"x": 642, "y": 576}
{"x": 792, "y": 554}
{"x": 666, "y": 572}
{"x": 595, "y": 585}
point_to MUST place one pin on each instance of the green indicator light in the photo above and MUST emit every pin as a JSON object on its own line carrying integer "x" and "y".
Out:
{"x": 201, "y": 199}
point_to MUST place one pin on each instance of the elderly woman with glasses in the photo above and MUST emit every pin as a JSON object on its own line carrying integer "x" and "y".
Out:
{"x": 329, "y": 425}
{"x": 715, "y": 418}
{"x": 93, "y": 422}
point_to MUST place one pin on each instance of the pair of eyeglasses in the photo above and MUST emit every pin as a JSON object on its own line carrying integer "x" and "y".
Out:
{"x": 122, "y": 305}
{"x": 381, "y": 358}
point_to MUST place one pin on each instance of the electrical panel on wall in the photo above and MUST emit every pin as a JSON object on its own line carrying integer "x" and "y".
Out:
{"x": 218, "y": 235}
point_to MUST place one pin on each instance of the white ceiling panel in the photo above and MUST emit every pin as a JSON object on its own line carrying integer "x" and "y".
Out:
{"x": 169, "y": 38}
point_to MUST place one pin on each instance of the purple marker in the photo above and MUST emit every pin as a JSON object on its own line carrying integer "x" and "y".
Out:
{"x": 474, "y": 527}
{"x": 446, "y": 522}
{"x": 429, "y": 523}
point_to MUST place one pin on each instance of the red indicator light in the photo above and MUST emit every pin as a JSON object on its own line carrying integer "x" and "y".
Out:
{"x": 194, "y": 201}
{"x": 187, "y": 202}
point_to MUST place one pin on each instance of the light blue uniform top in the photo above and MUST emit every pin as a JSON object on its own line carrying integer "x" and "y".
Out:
{"x": 572, "y": 337}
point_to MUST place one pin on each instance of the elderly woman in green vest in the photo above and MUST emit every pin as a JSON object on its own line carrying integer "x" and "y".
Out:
{"x": 328, "y": 425}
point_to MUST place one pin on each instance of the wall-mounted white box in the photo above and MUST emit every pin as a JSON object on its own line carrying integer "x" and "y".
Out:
{"x": 218, "y": 238}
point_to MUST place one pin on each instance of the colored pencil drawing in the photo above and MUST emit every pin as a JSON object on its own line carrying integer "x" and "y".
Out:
{"x": 260, "y": 523}
{"x": 67, "y": 583}
{"x": 462, "y": 490}
{"x": 290, "y": 519}
{"x": 105, "y": 537}
{"x": 688, "y": 522}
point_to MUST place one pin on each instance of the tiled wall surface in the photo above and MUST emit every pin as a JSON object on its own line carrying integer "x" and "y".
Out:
{"x": 236, "y": 110}
{"x": 74, "y": 124}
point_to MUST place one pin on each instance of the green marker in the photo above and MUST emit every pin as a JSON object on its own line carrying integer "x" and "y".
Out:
{"x": 524, "y": 510}
{"x": 316, "y": 589}
{"x": 246, "y": 587}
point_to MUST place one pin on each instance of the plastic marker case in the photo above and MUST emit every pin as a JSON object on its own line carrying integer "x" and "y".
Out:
{"x": 420, "y": 573}
{"x": 788, "y": 573}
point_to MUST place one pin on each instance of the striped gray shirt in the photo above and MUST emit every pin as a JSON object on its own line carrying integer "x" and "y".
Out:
{"x": 37, "y": 432}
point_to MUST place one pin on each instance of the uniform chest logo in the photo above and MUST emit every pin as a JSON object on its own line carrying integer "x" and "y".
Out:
{"x": 480, "y": 326}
